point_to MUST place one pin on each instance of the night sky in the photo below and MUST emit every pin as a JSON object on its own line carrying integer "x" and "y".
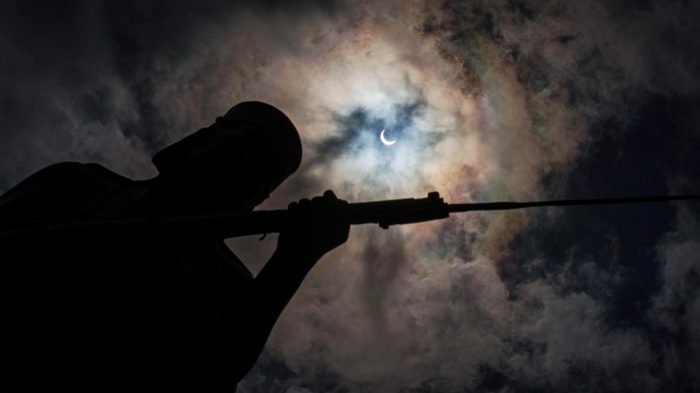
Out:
{"x": 487, "y": 100}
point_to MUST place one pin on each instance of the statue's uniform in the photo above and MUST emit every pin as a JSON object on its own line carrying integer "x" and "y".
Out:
{"x": 117, "y": 313}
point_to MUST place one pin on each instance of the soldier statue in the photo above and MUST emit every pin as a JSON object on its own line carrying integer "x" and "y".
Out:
{"x": 99, "y": 311}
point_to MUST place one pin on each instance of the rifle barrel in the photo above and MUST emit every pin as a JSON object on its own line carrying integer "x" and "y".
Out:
{"x": 384, "y": 213}
{"x": 465, "y": 207}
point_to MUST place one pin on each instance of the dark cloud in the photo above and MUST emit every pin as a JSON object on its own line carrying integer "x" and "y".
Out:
{"x": 361, "y": 122}
{"x": 78, "y": 72}
{"x": 638, "y": 139}
{"x": 488, "y": 100}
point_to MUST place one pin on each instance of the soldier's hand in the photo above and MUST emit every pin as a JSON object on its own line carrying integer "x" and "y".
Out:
{"x": 316, "y": 226}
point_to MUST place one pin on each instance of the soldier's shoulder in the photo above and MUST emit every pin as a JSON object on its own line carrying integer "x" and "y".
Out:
{"x": 65, "y": 175}
{"x": 61, "y": 189}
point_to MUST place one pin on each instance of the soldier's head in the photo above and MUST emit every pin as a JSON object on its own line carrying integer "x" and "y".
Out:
{"x": 233, "y": 164}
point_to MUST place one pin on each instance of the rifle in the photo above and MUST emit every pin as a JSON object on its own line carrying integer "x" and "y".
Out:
{"x": 384, "y": 213}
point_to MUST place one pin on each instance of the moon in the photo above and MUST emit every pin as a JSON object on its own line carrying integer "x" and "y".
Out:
{"x": 384, "y": 140}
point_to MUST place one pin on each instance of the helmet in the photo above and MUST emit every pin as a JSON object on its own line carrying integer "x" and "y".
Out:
{"x": 273, "y": 129}
{"x": 273, "y": 137}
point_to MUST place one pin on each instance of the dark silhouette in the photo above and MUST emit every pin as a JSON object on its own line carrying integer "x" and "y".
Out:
{"x": 115, "y": 285}
{"x": 93, "y": 311}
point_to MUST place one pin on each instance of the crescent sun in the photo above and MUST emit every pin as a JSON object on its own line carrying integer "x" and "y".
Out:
{"x": 384, "y": 140}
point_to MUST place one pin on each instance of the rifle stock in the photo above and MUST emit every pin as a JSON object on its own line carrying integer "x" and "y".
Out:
{"x": 384, "y": 213}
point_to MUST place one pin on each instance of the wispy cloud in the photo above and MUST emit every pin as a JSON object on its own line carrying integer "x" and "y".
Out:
{"x": 486, "y": 100}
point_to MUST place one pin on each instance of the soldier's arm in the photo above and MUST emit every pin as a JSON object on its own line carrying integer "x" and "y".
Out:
{"x": 319, "y": 225}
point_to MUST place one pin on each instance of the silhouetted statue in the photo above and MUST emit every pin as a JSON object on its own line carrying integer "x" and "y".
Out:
{"x": 133, "y": 312}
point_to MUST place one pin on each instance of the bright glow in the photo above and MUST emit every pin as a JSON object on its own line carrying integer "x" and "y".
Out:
{"x": 384, "y": 140}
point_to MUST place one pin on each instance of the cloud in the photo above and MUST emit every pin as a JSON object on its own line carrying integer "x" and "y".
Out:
{"x": 488, "y": 101}
{"x": 676, "y": 307}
